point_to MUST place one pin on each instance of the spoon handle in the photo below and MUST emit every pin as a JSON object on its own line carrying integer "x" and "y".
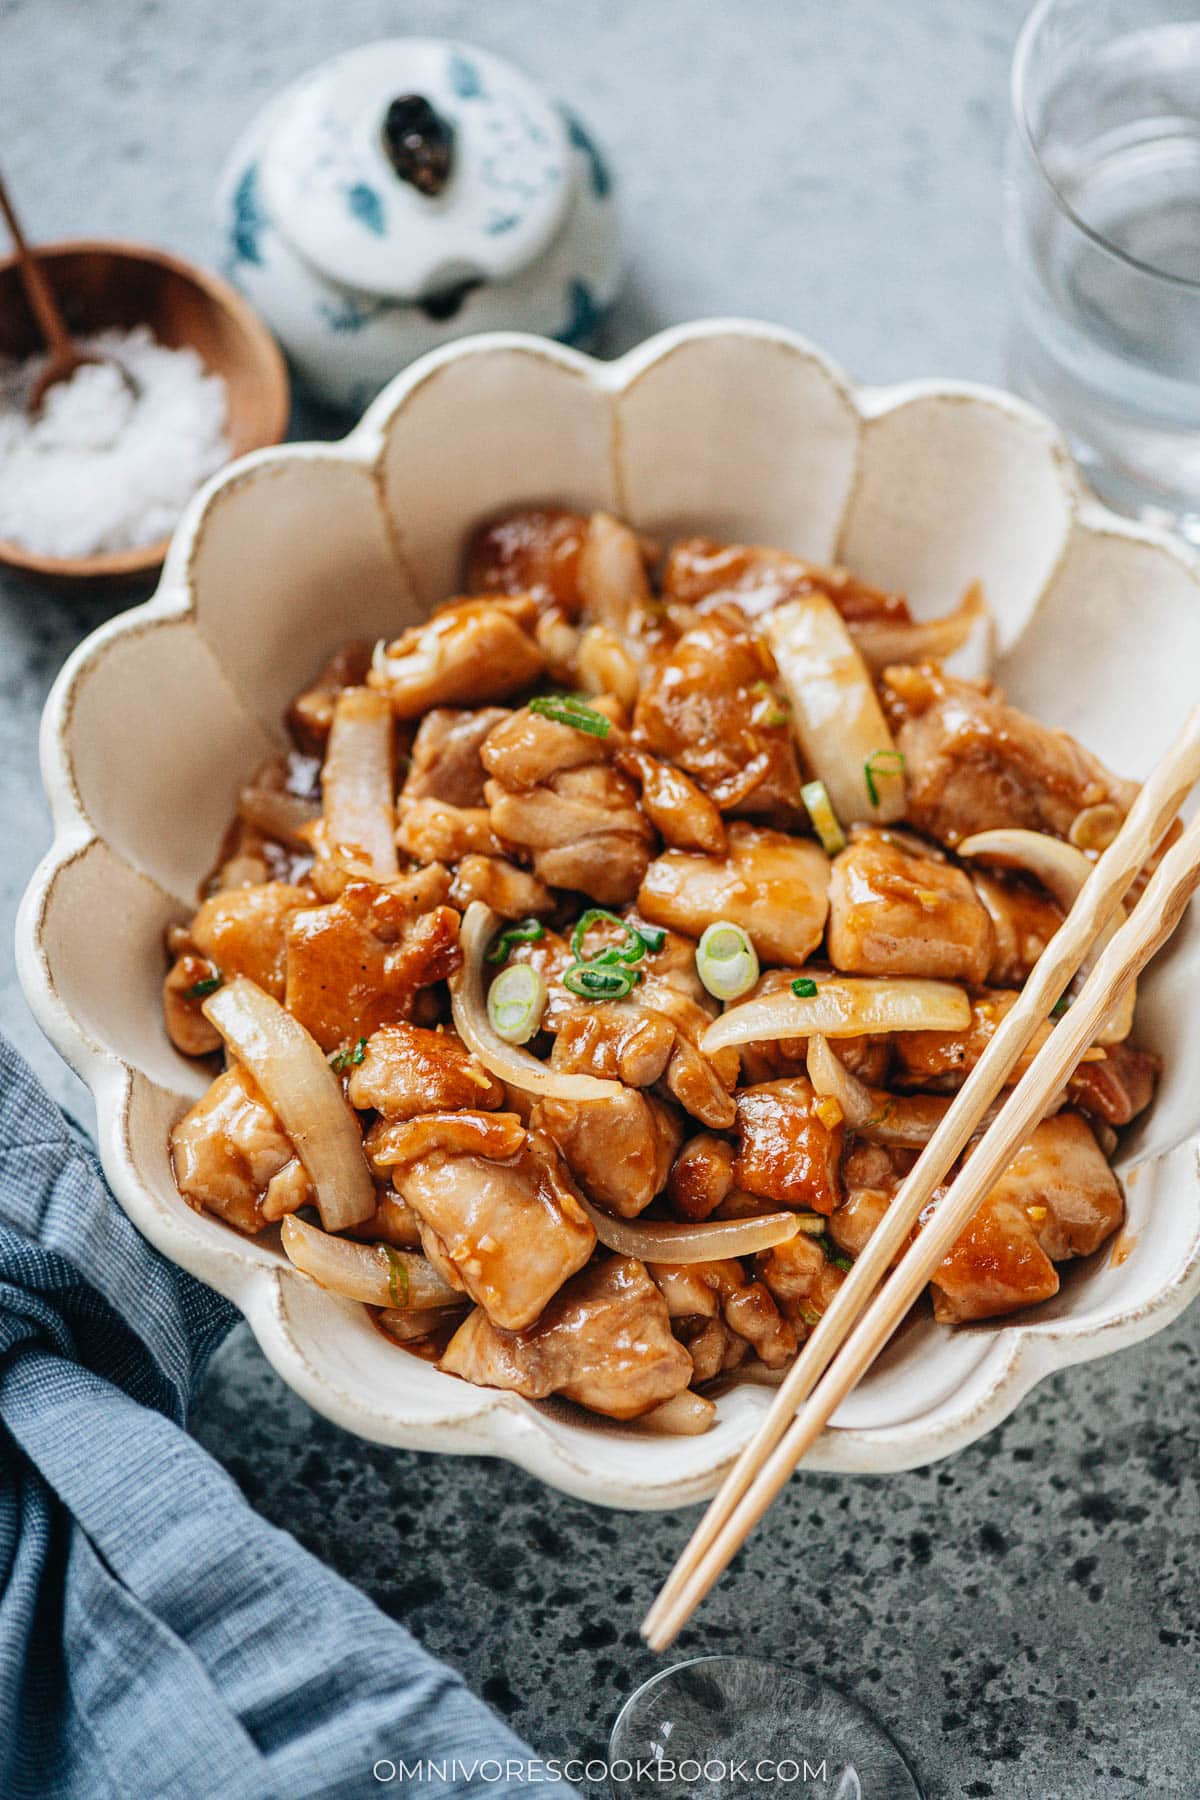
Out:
{"x": 42, "y": 303}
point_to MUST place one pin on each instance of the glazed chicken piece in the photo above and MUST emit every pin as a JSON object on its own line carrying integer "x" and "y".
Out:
{"x": 614, "y": 1040}
{"x": 188, "y": 980}
{"x": 535, "y": 551}
{"x": 774, "y": 886}
{"x": 555, "y": 798}
{"x": 244, "y": 931}
{"x": 710, "y": 708}
{"x": 466, "y": 653}
{"x": 445, "y": 761}
{"x": 682, "y": 813}
{"x": 497, "y": 1210}
{"x": 757, "y": 579}
{"x": 941, "y": 1060}
{"x": 1117, "y": 1085}
{"x": 713, "y": 1348}
{"x": 997, "y": 1266}
{"x": 509, "y": 890}
{"x": 973, "y": 763}
{"x": 746, "y": 1306}
{"x": 604, "y": 1340}
{"x": 800, "y": 1279}
{"x": 1062, "y": 1178}
{"x": 231, "y": 1156}
{"x": 358, "y": 963}
{"x": 406, "y": 1070}
{"x": 671, "y": 990}
{"x": 701, "y": 1177}
{"x": 894, "y": 910}
{"x": 311, "y": 713}
{"x": 612, "y": 577}
{"x": 1024, "y": 919}
{"x": 434, "y": 831}
{"x": 393, "y": 1221}
{"x": 787, "y": 1152}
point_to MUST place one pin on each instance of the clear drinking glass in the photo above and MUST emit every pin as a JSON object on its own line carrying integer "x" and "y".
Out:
{"x": 1103, "y": 235}
{"x": 727, "y": 1727}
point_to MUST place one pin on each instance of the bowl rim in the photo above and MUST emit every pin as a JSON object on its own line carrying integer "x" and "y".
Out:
{"x": 115, "y": 565}
{"x": 504, "y": 1425}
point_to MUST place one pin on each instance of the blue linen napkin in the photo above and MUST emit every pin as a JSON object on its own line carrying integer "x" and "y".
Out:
{"x": 158, "y": 1640}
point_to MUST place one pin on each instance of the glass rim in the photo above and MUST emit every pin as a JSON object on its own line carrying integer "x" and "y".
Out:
{"x": 1017, "y": 88}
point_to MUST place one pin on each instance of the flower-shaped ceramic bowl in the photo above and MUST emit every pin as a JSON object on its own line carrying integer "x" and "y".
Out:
{"x": 736, "y": 429}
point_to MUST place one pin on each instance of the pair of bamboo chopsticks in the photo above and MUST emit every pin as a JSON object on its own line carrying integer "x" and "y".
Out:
{"x": 863, "y": 1314}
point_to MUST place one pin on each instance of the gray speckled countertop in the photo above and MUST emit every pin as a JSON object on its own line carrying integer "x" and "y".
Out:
{"x": 1022, "y": 1616}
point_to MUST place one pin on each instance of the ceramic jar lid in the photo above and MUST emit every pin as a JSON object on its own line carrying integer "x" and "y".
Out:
{"x": 407, "y": 166}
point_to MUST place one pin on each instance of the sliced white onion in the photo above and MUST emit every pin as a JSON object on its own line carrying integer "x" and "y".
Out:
{"x": 411, "y": 1327}
{"x": 836, "y": 715}
{"x": 517, "y": 1068}
{"x": 659, "y": 1241}
{"x": 830, "y": 1076}
{"x": 304, "y": 1094}
{"x": 843, "y": 1006}
{"x": 356, "y": 782}
{"x": 373, "y": 1273}
{"x": 683, "y": 1415}
{"x": 281, "y": 816}
{"x": 825, "y": 821}
{"x": 1062, "y": 870}
{"x": 882, "y": 641}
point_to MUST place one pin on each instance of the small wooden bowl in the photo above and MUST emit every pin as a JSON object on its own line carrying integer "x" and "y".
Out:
{"x": 109, "y": 284}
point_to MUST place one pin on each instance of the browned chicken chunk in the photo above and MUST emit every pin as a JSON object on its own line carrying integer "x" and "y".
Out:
{"x": 774, "y": 886}
{"x": 710, "y": 708}
{"x": 406, "y": 1070}
{"x": 357, "y": 964}
{"x": 682, "y": 813}
{"x": 604, "y": 1340}
{"x": 1024, "y": 919}
{"x": 747, "y": 1307}
{"x": 509, "y": 1224}
{"x": 508, "y": 889}
{"x": 311, "y": 713}
{"x": 786, "y": 1151}
{"x": 758, "y": 578}
{"x": 468, "y": 652}
{"x": 445, "y": 761}
{"x": 231, "y": 1155}
{"x": 582, "y": 829}
{"x": 974, "y": 763}
{"x": 894, "y": 911}
{"x": 1117, "y": 1086}
{"x": 535, "y": 551}
{"x": 244, "y": 931}
{"x": 188, "y": 980}
{"x": 701, "y": 1176}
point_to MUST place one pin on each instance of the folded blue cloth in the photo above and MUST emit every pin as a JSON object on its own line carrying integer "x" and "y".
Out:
{"x": 158, "y": 1640}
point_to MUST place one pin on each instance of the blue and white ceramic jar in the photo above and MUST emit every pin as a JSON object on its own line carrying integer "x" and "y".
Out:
{"x": 409, "y": 192}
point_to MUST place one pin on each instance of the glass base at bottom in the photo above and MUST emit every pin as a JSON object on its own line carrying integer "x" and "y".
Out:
{"x": 739, "y": 1728}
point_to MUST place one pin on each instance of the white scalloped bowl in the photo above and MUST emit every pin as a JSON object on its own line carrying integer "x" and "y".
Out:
{"x": 735, "y": 429}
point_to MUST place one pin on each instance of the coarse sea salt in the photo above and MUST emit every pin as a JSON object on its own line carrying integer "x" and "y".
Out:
{"x": 101, "y": 467}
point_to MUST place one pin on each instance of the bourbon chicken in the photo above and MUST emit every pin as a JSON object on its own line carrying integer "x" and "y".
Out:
{"x": 465, "y": 984}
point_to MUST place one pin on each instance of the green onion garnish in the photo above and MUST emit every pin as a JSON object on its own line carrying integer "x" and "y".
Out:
{"x": 593, "y": 981}
{"x": 837, "y": 1257}
{"x": 804, "y": 987}
{"x": 825, "y": 821}
{"x": 565, "y": 709}
{"x": 397, "y": 1277}
{"x": 726, "y": 960}
{"x": 208, "y": 985}
{"x": 882, "y": 762}
{"x": 516, "y": 1002}
{"x": 1060, "y": 1006}
{"x": 638, "y": 939}
{"x": 525, "y": 931}
{"x": 350, "y": 1058}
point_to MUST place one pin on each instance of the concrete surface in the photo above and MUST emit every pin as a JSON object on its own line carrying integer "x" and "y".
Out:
{"x": 1023, "y": 1616}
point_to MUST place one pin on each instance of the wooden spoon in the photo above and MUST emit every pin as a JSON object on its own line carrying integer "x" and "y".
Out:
{"x": 64, "y": 356}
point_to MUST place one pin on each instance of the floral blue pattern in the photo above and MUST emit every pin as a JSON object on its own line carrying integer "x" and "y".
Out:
{"x": 597, "y": 167}
{"x": 584, "y": 316}
{"x": 249, "y": 219}
{"x": 465, "y": 78}
{"x": 367, "y": 207}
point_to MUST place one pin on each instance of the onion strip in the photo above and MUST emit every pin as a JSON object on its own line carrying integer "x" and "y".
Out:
{"x": 666, "y": 1241}
{"x": 684, "y": 1415}
{"x": 1062, "y": 871}
{"x": 304, "y": 1094}
{"x": 830, "y": 1076}
{"x": 836, "y": 715}
{"x": 373, "y": 1273}
{"x": 517, "y": 1068}
{"x": 881, "y": 641}
{"x": 843, "y": 1006}
{"x": 356, "y": 782}
{"x": 278, "y": 815}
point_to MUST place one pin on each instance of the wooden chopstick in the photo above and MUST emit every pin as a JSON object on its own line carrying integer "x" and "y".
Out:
{"x": 1149, "y": 818}
{"x": 1145, "y": 931}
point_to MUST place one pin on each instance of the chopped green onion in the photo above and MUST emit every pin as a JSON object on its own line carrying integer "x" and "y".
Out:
{"x": 349, "y": 1059}
{"x": 809, "y": 1314}
{"x": 726, "y": 961}
{"x": 397, "y": 1277}
{"x": 825, "y": 821}
{"x": 833, "y": 1254}
{"x": 1060, "y": 1006}
{"x": 209, "y": 985}
{"x": 804, "y": 987}
{"x": 526, "y": 931}
{"x": 565, "y": 709}
{"x": 516, "y": 1002}
{"x": 883, "y": 762}
{"x": 639, "y": 939}
{"x": 779, "y": 710}
{"x": 593, "y": 981}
